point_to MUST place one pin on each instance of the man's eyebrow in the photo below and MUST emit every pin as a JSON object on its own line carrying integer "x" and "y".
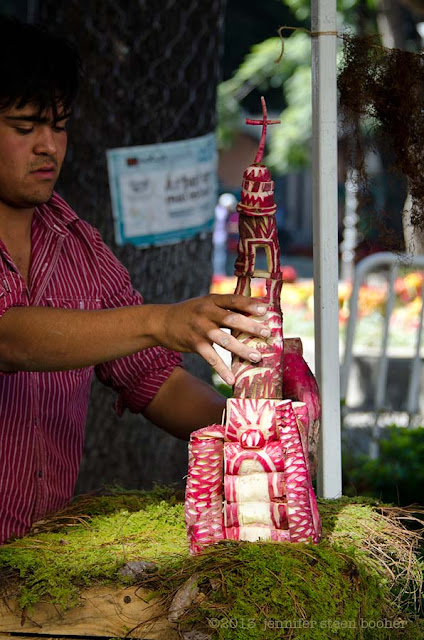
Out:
{"x": 37, "y": 119}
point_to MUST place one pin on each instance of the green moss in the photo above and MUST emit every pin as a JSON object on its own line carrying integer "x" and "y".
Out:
{"x": 99, "y": 536}
{"x": 270, "y": 587}
{"x": 363, "y": 573}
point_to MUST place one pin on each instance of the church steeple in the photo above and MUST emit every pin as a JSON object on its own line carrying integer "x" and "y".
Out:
{"x": 258, "y": 235}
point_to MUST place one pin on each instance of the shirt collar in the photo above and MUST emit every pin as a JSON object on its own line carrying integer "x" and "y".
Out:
{"x": 56, "y": 214}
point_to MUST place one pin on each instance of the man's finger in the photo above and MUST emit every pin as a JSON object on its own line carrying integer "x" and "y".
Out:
{"x": 227, "y": 341}
{"x": 216, "y": 362}
{"x": 240, "y": 303}
{"x": 246, "y": 325}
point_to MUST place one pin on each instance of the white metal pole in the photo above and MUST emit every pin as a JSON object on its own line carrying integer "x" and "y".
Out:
{"x": 324, "y": 189}
{"x": 350, "y": 232}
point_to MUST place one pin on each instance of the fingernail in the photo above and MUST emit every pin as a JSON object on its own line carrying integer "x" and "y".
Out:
{"x": 265, "y": 333}
{"x": 254, "y": 357}
{"x": 261, "y": 310}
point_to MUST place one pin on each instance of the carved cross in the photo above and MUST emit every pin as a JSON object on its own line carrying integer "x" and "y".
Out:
{"x": 264, "y": 122}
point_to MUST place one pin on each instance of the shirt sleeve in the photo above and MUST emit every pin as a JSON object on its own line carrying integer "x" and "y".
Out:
{"x": 12, "y": 292}
{"x": 138, "y": 377}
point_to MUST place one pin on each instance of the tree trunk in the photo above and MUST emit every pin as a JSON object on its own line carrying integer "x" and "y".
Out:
{"x": 413, "y": 235}
{"x": 151, "y": 71}
{"x": 390, "y": 24}
{"x": 393, "y": 32}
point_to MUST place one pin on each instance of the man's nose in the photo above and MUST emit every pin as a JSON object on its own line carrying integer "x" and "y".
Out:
{"x": 45, "y": 142}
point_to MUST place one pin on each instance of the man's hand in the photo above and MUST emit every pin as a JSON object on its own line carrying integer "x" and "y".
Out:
{"x": 194, "y": 325}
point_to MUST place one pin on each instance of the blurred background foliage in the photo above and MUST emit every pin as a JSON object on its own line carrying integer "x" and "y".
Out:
{"x": 251, "y": 70}
{"x": 396, "y": 476}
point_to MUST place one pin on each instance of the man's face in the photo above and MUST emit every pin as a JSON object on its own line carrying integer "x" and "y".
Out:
{"x": 32, "y": 149}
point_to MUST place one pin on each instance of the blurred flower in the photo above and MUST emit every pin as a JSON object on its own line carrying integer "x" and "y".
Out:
{"x": 371, "y": 299}
{"x": 289, "y": 273}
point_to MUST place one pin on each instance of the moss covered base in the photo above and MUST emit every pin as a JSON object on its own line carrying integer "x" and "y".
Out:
{"x": 362, "y": 581}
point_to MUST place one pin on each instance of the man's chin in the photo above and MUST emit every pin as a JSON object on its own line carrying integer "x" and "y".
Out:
{"x": 40, "y": 197}
{"x": 28, "y": 198}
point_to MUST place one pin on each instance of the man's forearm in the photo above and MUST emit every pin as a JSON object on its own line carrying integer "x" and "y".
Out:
{"x": 185, "y": 403}
{"x": 46, "y": 339}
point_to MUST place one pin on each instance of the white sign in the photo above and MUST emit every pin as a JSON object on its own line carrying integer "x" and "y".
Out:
{"x": 164, "y": 192}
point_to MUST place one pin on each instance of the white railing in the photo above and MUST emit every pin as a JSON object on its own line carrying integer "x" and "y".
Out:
{"x": 387, "y": 264}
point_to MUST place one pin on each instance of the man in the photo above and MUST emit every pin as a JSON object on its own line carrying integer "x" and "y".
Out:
{"x": 67, "y": 306}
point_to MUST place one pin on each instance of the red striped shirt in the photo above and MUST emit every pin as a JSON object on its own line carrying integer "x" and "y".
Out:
{"x": 42, "y": 414}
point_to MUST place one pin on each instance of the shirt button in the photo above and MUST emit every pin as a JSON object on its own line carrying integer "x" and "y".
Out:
{"x": 44, "y": 267}
{"x": 40, "y": 473}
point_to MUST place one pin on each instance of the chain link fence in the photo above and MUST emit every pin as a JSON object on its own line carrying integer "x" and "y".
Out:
{"x": 151, "y": 70}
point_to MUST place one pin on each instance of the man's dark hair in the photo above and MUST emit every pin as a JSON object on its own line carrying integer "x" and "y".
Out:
{"x": 36, "y": 67}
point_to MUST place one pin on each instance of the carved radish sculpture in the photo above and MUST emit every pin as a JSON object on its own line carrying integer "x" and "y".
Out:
{"x": 250, "y": 478}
